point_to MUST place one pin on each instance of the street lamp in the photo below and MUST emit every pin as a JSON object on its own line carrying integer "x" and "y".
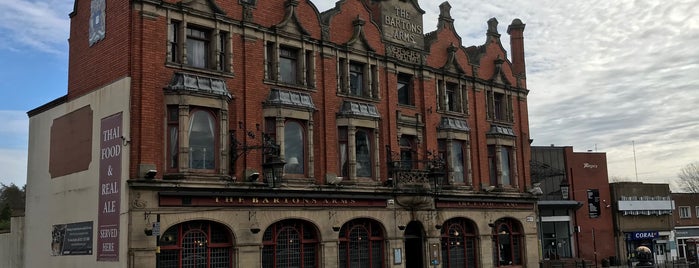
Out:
{"x": 273, "y": 169}
{"x": 437, "y": 173}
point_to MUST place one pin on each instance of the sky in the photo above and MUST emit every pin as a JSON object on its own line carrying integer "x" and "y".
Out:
{"x": 620, "y": 77}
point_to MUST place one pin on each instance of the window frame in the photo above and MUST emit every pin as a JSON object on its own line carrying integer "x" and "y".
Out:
{"x": 368, "y": 71}
{"x": 450, "y": 164}
{"x": 307, "y": 233}
{"x": 515, "y": 250}
{"x": 301, "y": 160}
{"x": 375, "y": 237}
{"x": 175, "y": 243}
{"x": 215, "y": 139}
{"x": 499, "y": 104}
{"x": 217, "y": 44}
{"x": 185, "y": 105}
{"x": 350, "y": 167}
{"x": 685, "y": 212}
{"x": 303, "y": 64}
{"x": 408, "y": 147}
{"x": 452, "y": 96}
{"x": 370, "y": 149}
{"x": 199, "y": 35}
{"x": 405, "y": 92}
{"x": 448, "y": 239}
{"x": 496, "y": 165}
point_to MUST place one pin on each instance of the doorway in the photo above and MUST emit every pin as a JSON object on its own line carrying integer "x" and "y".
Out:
{"x": 414, "y": 245}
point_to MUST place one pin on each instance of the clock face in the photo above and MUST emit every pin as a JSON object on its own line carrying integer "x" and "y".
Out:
{"x": 97, "y": 15}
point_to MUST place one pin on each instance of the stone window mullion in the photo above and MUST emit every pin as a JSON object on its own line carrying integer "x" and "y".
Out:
{"x": 375, "y": 147}
{"x": 279, "y": 139}
{"x": 184, "y": 137}
{"x": 351, "y": 151}
{"x": 469, "y": 176}
{"x": 309, "y": 135}
{"x": 513, "y": 167}
{"x": 498, "y": 164}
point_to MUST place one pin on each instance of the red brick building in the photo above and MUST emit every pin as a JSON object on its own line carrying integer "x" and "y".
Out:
{"x": 268, "y": 133}
{"x": 575, "y": 204}
{"x": 686, "y": 222}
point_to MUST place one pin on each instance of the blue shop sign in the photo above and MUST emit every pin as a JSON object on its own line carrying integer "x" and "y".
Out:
{"x": 642, "y": 235}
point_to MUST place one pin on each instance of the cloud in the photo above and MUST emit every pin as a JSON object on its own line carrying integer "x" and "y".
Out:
{"x": 13, "y": 166}
{"x": 14, "y": 130}
{"x": 35, "y": 25}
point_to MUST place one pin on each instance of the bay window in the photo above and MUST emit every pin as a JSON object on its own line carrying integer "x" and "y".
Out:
{"x": 289, "y": 120}
{"x": 357, "y": 149}
{"x": 196, "y": 144}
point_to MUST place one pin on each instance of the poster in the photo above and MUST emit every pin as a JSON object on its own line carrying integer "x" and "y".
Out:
{"x": 109, "y": 189}
{"x": 72, "y": 239}
{"x": 593, "y": 203}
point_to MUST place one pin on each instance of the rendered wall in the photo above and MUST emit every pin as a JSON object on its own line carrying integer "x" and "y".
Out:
{"x": 11, "y": 244}
{"x": 72, "y": 198}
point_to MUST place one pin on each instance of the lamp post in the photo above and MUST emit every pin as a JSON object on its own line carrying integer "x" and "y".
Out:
{"x": 437, "y": 173}
{"x": 437, "y": 177}
{"x": 273, "y": 169}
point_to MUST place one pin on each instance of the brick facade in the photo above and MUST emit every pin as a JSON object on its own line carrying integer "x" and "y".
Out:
{"x": 368, "y": 155}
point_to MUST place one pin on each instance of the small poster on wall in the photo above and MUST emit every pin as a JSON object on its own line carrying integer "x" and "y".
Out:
{"x": 72, "y": 239}
{"x": 593, "y": 203}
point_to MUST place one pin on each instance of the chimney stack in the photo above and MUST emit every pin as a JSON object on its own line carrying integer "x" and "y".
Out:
{"x": 516, "y": 32}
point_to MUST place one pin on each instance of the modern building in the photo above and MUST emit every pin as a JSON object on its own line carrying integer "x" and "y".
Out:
{"x": 270, "y": 134}
{"x": 643, "y": 218}
{"x": 574, "y": 205}
{"x": 686, "y": 219}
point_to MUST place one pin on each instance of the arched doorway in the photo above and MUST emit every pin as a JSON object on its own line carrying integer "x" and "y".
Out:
{"x": 414, "y": 238}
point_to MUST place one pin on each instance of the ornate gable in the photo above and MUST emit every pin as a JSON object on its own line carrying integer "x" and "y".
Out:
{"x": 358, "y": 40}
{"x": 452, "y": 65}
{"x": 206, "y": 6}
{"x": 290, "y": 23}
{"x": 498, "y": 75}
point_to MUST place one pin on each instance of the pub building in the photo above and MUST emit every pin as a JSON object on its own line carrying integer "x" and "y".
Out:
{"x": 252, "y": 133}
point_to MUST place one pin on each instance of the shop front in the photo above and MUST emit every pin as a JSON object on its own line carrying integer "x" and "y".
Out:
{"x": 655, "y": 241}
{"x": 687, "y": 240}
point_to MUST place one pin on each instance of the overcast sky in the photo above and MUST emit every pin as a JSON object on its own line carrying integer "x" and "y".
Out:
{"x": 607, "y": 76}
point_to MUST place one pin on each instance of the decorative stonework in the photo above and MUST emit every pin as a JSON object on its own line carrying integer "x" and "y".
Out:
{"x": 404, "y": 54}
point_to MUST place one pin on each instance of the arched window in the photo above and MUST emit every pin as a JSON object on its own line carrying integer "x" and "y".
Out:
{"x": 290, "y": 243}
{"x": 459, "y": 244}
{"x": 507, "y": 243}
{"x": 294, "y": 145}
{"x": 196, "y": 244}
{"x": 361, "y": 244}
{"x": 202, "y": 140}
